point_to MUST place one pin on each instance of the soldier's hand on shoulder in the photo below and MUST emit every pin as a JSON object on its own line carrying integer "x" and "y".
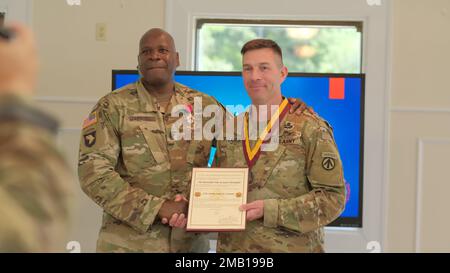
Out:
{"x": 298, "y": 106}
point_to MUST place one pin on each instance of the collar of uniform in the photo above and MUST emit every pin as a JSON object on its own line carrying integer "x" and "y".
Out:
{"x": 20, "y": 108}
{"x": 179, "y": 97}
{"x": 8, "y": 98}
{"x": 147, "y": 102}
{"x": 180, "y": 89}
{"x": 283, "y": 118}
{"x": 281, "y": 123}
{"x": 145, "y": 97}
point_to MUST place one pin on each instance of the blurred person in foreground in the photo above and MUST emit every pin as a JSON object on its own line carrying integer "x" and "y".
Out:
{"x": 34, "y": 178}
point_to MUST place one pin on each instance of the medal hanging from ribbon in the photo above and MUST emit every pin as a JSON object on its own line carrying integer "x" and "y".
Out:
{"x": 252, "y": 154}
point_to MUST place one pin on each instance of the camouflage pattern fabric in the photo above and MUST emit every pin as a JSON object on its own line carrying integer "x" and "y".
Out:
{"x": 35, "y": 181}
{"x": 301, "y": 183}
{"x": 129, "y": 164}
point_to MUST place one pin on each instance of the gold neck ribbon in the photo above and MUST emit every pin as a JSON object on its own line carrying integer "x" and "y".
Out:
{"x": 251, "y": 155}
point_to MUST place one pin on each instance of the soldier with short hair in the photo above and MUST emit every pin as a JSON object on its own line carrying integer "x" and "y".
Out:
{"x": 35, "y": 180}
{"x": 295, "y": 189}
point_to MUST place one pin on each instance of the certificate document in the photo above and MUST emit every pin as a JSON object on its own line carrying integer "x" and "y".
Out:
{"x": 216, "y": 194}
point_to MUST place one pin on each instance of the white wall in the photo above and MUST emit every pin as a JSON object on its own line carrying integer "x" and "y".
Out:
{"x": 419, "y": 140}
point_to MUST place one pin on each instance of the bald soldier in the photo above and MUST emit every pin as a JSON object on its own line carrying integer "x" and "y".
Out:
{"x": 129, "y": 163}
{"x": 35, "y": 181}
{"x": 295, "y": 189}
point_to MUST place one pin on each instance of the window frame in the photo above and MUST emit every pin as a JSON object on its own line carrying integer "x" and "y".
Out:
{"x": 199, "y": 22}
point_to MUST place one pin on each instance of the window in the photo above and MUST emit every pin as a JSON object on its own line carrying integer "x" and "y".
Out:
{"x": 310, "y": 47}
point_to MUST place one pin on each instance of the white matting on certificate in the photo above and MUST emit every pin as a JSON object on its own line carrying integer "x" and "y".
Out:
{"x": 216, "y": 194}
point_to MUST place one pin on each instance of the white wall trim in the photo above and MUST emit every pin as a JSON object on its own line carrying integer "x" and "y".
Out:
{"x": 419, "y": 184}
{"x": 387, "y": 104}
{"x": 420, "y": 110}
{"x": 419, "y": 194}
{"x": 187, "y": 52}
{"x": 61, "y": 99}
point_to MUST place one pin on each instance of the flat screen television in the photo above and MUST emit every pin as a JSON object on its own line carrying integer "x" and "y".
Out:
{"x": 338, "y": 98}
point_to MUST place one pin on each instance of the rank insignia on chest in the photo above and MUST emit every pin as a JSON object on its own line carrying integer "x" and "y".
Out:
{"x": 288, "y": 126}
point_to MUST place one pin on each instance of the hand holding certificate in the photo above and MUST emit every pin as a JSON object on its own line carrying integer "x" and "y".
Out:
{"x": 216, "y": 194}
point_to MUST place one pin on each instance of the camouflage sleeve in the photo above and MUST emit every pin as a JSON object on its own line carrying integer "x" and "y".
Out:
{"x": 36, "y": 207}
{"x": 326, "y": 200}
{"x": 17, "y": 231}
{"x": 99, "y": 153}
{"x": 36, "y": 188}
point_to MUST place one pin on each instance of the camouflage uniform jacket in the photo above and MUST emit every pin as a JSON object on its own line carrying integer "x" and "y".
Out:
{"x": 301, "y": 183}
{"x": 129, "y": 165}
{"x": 35, "y": 181}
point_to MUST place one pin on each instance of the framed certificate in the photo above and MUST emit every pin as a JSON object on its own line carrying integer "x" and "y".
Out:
{"x": 216, "y": 194}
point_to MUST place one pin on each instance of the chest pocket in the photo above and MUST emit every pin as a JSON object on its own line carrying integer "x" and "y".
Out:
{"x": 155, "y": 139}
{"x": 288, "y": 177}
{"x": 140, "y": 149}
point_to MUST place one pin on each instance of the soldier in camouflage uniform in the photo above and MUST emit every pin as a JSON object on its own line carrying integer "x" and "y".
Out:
{"x": 130, "y": 164}
{"x": 35, "y": 181}
{"x": 295, "y": 190}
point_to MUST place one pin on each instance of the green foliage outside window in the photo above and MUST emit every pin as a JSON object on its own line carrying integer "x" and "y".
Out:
{"x": 314, "y": 49}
